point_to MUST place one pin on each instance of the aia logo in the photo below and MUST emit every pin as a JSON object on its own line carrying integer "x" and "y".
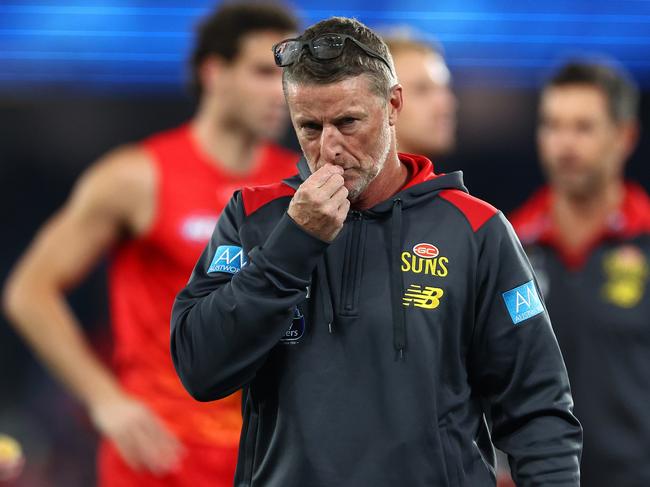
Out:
{"x": 228, "y": 258}
{"x": 426, "y": 250}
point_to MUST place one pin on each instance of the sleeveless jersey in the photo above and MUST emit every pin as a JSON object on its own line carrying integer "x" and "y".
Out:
{"x": 147, "y": 272}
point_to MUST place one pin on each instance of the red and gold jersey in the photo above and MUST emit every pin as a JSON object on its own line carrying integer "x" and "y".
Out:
{"x": 146, "y": 273}
{"x": 598, "y": 298}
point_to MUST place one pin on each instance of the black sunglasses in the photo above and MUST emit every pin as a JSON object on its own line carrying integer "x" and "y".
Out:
{"x": 322, "y": 48}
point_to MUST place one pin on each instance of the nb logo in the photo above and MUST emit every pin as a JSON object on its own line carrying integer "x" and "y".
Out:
{"x": 427, "y": 297}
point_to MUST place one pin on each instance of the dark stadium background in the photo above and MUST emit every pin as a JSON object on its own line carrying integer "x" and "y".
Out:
{"x": 79, "y": 77}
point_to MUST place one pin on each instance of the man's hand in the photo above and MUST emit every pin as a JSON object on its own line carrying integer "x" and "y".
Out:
{"x": 321, "y": 204}
{"x": 140, "y": 437}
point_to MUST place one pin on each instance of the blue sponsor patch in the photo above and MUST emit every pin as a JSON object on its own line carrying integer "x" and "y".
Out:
{"x": 523, "y": 302}
{"x": 228, "y": 258}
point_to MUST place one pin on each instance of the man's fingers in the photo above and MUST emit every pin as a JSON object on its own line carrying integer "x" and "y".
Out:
{"x": 149, "y": 453}
{"x": 160, "y": 449}
{"x": 339, "y": 196}
{"x": 332, "y": 185}
{"x": 316, "y": 205}
{"x": 170, "y": 448}
{"x": 343, "y": 209}
{"x": 338, "y": 205}
{"x": 128, "y": 450}
{"x": 320, "y": 177}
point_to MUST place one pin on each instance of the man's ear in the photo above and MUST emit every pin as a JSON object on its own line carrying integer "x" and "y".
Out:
{"x": 629, "y": 137}
{"x": 211, "y": 71}
{"x": 395, "y": 103}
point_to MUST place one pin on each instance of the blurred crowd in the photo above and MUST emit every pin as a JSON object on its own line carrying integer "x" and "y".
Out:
{"x": 585, "y": 229}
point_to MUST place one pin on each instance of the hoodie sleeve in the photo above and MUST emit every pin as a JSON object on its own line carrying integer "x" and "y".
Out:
{"x": 517, "y": 366}
{"x": 236, "y": 307}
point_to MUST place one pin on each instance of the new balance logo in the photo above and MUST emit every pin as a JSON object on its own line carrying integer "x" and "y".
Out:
{"x": 427, "y": 297}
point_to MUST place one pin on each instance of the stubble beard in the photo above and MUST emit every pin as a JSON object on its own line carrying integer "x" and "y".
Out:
{"x": 366, "y": 178}
{"x": 583, "y": 187}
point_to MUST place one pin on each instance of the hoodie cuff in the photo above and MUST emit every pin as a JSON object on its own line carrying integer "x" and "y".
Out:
{"x": 292, "y": 249}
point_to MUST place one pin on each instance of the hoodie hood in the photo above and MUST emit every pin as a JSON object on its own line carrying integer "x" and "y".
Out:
{"x": 422, "y": 185}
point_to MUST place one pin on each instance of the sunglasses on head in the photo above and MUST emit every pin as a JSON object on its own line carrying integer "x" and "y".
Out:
{"x": 323, "y": 48}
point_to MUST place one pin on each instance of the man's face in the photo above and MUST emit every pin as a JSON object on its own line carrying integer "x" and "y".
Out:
{"x": 427, "y": 124}
{"x": 580, "y": 145}
{"x": 346, "y": 124}
{"x": 251, "y": 87}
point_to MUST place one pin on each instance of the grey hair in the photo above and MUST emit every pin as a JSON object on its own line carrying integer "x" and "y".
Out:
{"x": 352, "y": 62}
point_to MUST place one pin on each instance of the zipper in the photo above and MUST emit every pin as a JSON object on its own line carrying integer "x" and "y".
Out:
{"x": 352, "y": 264}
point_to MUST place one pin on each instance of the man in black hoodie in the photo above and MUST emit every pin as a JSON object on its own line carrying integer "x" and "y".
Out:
{"x": 385, "y": 325}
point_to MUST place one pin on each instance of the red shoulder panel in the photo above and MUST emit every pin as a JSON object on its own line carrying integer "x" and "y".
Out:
{"x": 475, "y": 210}
{"x": 256, "y": 197}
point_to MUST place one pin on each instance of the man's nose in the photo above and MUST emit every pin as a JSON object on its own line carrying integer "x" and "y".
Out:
{"x": 565, "y": 138}
{"x": 330, "y": 144}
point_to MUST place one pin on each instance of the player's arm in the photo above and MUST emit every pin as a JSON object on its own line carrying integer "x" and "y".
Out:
{"x": 517, "y": 366}
{"x": 113, "y": 197}
{"x": 223, "y": 324}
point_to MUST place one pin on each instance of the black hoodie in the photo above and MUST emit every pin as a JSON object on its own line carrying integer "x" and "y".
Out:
{"x": 396, "y": 355}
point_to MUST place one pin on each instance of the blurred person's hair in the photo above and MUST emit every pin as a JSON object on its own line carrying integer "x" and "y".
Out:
{"x": 405, "y": 42}
{"x": 220, "y": 33}
{"x": 400, "y": 40}
{"x": 618, "y": 87}
{"x": 352, "y": 62}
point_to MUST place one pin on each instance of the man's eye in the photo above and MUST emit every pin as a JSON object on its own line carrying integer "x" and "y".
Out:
{"x": 266, "y": 71}
{"x": 310, "y": 127}
{"x": 585, "y": 127}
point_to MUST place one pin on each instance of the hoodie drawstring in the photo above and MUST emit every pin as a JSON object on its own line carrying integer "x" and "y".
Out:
{"x": 396, "y": 284}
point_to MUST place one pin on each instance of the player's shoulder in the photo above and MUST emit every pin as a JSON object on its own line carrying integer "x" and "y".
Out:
{"x": 636, "y": 208}
{"x": 255, "y": 197}
{"x": 123, "y": 179}
{"x": 168, "y": 138}
{"x": 530, "y": 217}
{"x": 476, "y": 211}
{"x": 127, "y": 164}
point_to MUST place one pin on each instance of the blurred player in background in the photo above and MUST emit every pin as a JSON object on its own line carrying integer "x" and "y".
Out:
{"x": 153, "y": 205}
{"x": 588, "y": 237}
{"x": 427, "y": 124}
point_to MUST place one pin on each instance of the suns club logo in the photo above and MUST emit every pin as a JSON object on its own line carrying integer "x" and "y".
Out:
{"x": 426, "y": 250}
{"x": 425, "y": 258}
{"x": 627, "y": 270}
